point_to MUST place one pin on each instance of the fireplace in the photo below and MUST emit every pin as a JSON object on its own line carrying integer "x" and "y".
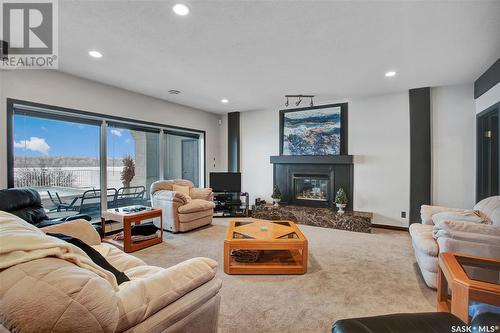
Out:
{"x": 313, "y": 180}
{"x": 311, "y": 187}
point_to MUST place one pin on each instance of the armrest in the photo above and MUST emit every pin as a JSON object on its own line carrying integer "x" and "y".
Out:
{"x": 166, "y": 195}
{"x": 427, "y": 211}
{"x": 151, "y": 289}
{"x": 452, "y": 227}
{"x": 468, "y": 238}
{"x": 201, "y": 193}
{"x": 74, "y": 217}
{"x": 80, "y": 229}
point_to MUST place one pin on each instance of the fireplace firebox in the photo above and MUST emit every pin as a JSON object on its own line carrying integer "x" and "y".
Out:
{"x": 311, "y": 187}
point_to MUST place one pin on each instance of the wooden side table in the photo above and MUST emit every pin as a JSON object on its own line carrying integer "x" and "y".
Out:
{"x": 468, "y": 278}
{"x": 128, "y": 219}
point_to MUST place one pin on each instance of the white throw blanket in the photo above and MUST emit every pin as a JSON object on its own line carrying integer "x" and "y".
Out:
{"x": 21, "y": 242}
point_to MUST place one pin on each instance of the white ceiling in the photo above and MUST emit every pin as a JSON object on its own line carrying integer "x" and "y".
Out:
{"x": 254, "y": 52}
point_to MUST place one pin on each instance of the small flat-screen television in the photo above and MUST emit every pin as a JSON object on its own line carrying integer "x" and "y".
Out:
{"x": 225, "y": 181}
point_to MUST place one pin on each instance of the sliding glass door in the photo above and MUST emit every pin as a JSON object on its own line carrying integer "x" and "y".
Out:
{"x": 182, "y": 156}
{"x": 59, "y": 153}
{"x": 58, "y": 157}
{"x": 133, "y": 163}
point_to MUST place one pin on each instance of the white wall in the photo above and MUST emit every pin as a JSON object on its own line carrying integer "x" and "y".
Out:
{"x": 378, "y": 137}
{"x": 55, "y": 88}
{"x": 453, "y": 145}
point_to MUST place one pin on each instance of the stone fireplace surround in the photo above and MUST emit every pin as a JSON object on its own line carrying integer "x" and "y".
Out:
{"x": 337, "y": 169}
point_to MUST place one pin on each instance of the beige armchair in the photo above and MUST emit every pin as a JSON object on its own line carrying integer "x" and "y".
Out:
{"x": 182, "y": 212}
{"x": 50, "y": 294}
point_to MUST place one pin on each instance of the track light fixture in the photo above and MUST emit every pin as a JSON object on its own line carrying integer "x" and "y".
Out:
{"x": 299, "y": 99}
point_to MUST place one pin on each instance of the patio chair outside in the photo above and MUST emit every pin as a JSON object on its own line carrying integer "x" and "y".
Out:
{"x": 128, "y": 196}
{"x": 61, "y": 205}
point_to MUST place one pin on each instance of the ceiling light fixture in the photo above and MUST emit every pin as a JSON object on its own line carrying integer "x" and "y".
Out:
{"x": 390, "y": 74}
{"x": 180, "y": 9}
{"x": 95, "y": 54}
{"x": 174, "y": 92}
{"x": 224, "y": 101}
{"x": 299, "y": 99}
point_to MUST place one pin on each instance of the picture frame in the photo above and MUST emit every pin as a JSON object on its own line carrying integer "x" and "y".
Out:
{"x": 342, "y": 149}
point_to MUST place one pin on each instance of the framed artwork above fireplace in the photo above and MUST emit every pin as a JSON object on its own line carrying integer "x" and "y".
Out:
{"x": 314, "y": 131}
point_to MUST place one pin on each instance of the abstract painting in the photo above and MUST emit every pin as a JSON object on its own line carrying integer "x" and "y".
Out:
{"x": 313, "y": 131}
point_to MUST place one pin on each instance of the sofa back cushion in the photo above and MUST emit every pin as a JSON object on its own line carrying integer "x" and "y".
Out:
{"x": 168, "y": 185}
{"x": 24, "y": 203}
{"x": 490, "y": 207}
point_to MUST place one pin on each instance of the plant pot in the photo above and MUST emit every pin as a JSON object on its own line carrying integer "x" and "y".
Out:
{"x": 340, "y": 208}
{"x": 276, "y": 202}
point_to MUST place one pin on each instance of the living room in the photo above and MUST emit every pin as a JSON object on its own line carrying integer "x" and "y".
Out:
{"x": 295, "y": 165}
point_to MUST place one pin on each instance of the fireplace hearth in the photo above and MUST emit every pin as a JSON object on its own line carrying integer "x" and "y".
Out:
{"x": 313, "y": 180}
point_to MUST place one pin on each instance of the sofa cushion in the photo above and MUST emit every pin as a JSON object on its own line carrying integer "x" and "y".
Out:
{"x": 472, "y": 216}
{"x": 119, "y": 259}
{"x": 183, "y": 218}
{"x": 421, "y": 235}
{"x": 182, "y": 189}
{"x": 152, "y": 288}
{"x": 491, "y": 208}
{"x": 196, "y": 205}
{"x": 80, "y": 229}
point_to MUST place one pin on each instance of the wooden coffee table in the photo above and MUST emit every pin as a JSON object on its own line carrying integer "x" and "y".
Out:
{"x": 282, "y": 247}
{"x": 468, "y": 278}
{"x": 127, "y": 220}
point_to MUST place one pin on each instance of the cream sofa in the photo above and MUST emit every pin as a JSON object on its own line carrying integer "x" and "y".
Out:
{"x": 181, "y": 212}
{"x": 474, "y": 232}
{"x": 50, "y": 294}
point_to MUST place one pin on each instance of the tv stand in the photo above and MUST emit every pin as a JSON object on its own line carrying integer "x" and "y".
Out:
{"x": 229, "y": 204}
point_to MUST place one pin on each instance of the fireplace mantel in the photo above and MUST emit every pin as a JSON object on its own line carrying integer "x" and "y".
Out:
{"x": 327, "y": 159}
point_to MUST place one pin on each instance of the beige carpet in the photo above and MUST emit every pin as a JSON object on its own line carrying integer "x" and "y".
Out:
{"x": 350, "y": 274}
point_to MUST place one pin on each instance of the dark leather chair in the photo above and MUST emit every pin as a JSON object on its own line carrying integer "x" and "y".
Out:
{"x": 432, "y": 322}
{"x": 27, "y": 204}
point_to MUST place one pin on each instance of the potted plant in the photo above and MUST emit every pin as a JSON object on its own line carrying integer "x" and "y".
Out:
{"x": 341, "y": 200}
{"x": 276, "y": 195}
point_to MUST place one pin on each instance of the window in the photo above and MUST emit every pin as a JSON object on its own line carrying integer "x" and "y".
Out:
{"x": 182, "y": 156}
{"x": 58, "y": 157}
{"x": 58, "y": 152}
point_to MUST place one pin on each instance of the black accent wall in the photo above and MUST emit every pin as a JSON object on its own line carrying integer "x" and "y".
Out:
{"x": 233, "y": 142}
{"x": 420, "y": 151}
{"x": 488, "y": 80}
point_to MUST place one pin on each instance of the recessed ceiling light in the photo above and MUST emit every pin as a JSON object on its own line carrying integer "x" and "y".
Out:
{"x": 390, "y": 74}
{"x": 180, "y": 9}
{"x": 95, "y": 54}
{"x": 224, "y": 100}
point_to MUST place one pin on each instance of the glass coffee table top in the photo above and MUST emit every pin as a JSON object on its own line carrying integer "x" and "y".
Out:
{"x": 480, "y": 270}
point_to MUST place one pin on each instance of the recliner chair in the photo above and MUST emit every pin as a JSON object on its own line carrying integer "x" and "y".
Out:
{"x": 180, "y": 212}
{"x": 27, "y": 204}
